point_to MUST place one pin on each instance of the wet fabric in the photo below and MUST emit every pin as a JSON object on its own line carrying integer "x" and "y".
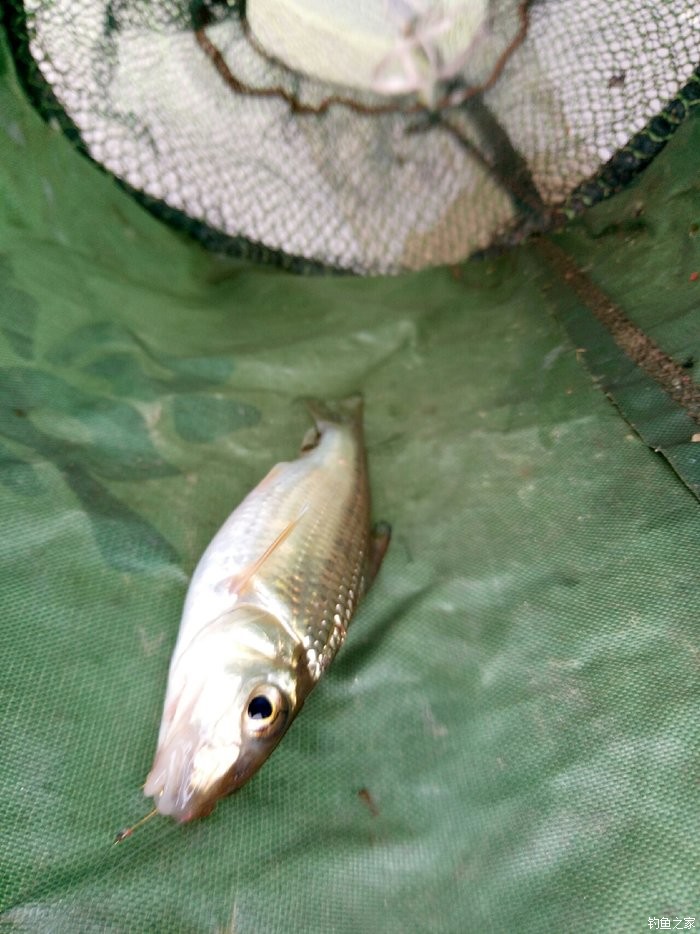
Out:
{"x": 507, "y": 739}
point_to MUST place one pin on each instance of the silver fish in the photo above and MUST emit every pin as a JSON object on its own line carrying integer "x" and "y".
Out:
{"x": 267, "y": 609}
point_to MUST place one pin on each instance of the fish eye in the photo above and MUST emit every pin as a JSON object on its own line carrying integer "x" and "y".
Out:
{"x": 266, "y": 711}
{"x": 260, "y": 708}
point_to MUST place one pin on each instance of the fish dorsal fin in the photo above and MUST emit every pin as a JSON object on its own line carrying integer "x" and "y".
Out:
{"x": 239, "y": 583}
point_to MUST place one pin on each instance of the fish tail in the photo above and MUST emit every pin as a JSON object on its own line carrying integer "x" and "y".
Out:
{"x": 346, "y": 411}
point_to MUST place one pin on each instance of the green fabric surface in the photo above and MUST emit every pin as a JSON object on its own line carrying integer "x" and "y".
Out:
{"x": 518, "y": 693}
{"x": 643, "y": 250}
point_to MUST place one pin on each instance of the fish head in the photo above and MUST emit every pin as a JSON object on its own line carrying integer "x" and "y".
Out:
{"x": 233, "y": 692}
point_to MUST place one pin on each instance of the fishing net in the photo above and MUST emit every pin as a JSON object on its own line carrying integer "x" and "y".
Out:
{"x": 506, "y": 741}
{"x": 372, "y": 137}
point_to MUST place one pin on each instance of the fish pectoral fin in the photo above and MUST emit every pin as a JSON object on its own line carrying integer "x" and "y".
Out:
{"x": 240, "y": 583}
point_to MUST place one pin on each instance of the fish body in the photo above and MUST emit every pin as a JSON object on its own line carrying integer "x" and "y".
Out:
{"x": 267, "y": 609}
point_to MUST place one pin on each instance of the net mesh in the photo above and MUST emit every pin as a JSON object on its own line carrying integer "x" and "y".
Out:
{"x": 222, "y": 117}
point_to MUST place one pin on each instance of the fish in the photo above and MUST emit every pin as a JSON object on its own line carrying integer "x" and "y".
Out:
{"x": 266, "y": 611}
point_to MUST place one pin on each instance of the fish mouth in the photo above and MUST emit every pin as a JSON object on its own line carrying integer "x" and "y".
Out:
{"x": 168, "y": 782}
{"x": 184, "y": 789}
{"x": 187, "y": 779}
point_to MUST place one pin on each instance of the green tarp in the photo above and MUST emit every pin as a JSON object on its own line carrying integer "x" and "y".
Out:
{"x": 508, "y": 740}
